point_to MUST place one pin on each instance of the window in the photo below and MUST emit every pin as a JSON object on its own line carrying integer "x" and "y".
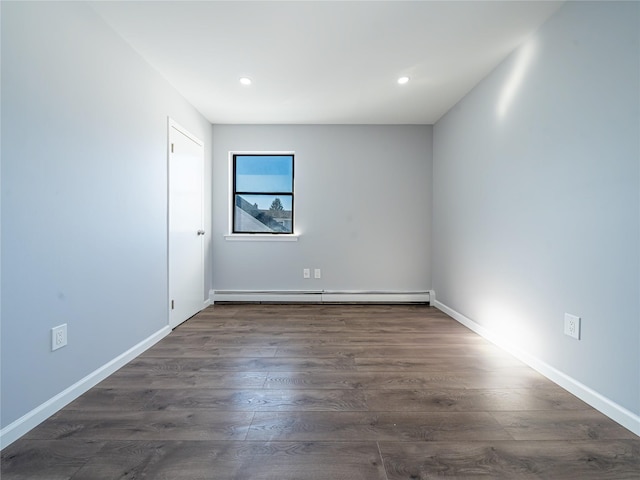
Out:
{"x": 262, "y": 193}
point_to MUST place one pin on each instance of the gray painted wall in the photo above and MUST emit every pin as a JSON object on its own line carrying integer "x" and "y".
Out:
{"x": 362, "y": 207}
{"x": 84, "y": 197}
{"x": 536, "y": 198}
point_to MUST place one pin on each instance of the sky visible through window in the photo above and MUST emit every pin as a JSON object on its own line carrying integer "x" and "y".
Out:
{"x": 268, "y": 174}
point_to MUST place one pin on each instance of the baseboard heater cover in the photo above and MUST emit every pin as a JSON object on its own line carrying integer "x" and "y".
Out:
{"x": 264, "y": 296}
{"x": 319, "y": 296}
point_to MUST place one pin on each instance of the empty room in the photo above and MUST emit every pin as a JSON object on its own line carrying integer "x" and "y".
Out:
{"x": 308, "y": 240}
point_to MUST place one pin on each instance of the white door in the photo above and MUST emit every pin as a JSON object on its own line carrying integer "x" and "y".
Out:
{"x": 186, "y": 233}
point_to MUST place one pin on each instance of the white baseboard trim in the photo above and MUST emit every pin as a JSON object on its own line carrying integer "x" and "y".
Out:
{"x": 32, "y": 419}
{"x": 616, "y": 412}
{"x": 320, "y": 296}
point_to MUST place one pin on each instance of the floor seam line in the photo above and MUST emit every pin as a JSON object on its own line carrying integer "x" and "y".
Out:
{"x": 384, "y": 467}
{"x": 246, "y": 436}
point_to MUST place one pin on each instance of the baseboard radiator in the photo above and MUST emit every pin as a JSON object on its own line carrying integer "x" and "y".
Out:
{"x": 319, "y": 296}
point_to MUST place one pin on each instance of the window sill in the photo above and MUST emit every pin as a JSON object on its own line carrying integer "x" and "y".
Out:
{"x": 256, "y": 237}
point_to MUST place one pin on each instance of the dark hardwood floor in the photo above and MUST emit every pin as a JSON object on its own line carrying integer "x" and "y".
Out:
{"x": 310, "y": 392}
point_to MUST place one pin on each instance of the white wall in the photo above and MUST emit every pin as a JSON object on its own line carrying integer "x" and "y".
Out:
{"x": 362, "y": 208}
{"x": 536, "y": 199}
{"x": 84, "y": 197}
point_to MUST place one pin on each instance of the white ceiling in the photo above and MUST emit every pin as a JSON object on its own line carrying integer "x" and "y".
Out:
{"x": 320, "y": 62}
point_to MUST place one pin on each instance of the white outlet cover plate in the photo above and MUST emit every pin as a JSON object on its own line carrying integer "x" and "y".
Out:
{"x": 58, "y": 336}
{"x": 572, "y": 325}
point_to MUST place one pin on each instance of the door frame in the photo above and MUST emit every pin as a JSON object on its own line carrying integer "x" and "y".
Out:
{"x": 172, "y": 124}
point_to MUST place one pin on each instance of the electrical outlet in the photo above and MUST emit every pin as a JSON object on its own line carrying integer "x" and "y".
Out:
{"x": 306, "y": 273}
{"x": 572, "y": 326}
{"x": 317, "y": 273}
{"x": 58, "y": 336}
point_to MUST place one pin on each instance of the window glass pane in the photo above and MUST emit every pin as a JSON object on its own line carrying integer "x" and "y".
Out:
{"x": 263, "y": 214}
{"x": 266, "y": 202}
{"x": 264, "y": 173}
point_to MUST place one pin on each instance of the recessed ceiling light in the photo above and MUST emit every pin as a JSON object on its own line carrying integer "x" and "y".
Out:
{"x": 245, "y": 81}
{"x": 403, "y": 80}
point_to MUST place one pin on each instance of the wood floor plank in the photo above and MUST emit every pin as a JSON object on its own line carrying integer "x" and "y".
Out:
{"x": 200, "y": 424}
{"x": 459, "y": 335}
{"x": 112, "y": 399}
{"x": 322, "y": 339}
{"x": 324, "y": 392}
{"x": 438, "y": 364}
{"x": 218, "y": 364}
{"x": 396, "y": 351}
{"x": 188, "y": 460}
{"x": 561, "y": 425}
{"x": 206, "y": 351}
{"x": 374, "y": 426}
{"x": 46, "y": 459}
{"x": 259, "y": 400}
{"x": 613, "y": 460}
{"x": 133, "y": 459}
{"x": 525, "y": 378}
{"x": 475, "y": 400}
{"x": 132, "y": 378}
